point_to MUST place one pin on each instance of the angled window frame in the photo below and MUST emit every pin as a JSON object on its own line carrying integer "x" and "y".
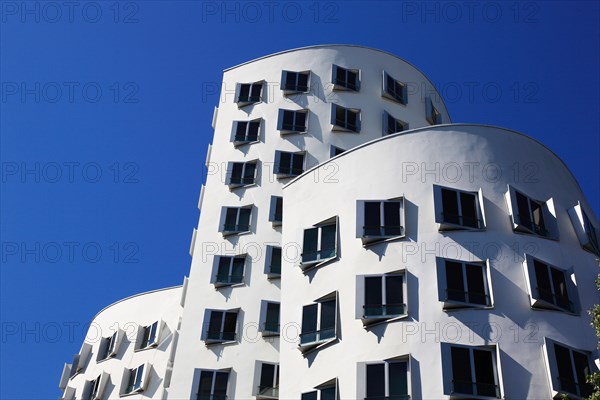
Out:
{"x": 94, "y": 389}
{"x": 332, "y": 386}
{"x": 243, "y": 180}
{"x": 528, "y": 225}
{"x": 213, "y": 384}
{"x": 363, "y": 367}
{"x": 442, "y": 219}
{"x": 340, "y": 78}
{"x": 319, "y": 337}
{"x": 397, "y": 123}
{"x": 232, "y": 263}
{"x": 335, "y": 151}
{"x": 451, "y": 384}
{"x": 149, "y": 336}
{"x": 214, "y": 337}
{"x": 252, "y": 97}
{"x": 345, "y": 126}
{"x": 432, "y": 114}
{"x": 238, "y": 229}
{"x": 267, "y": 325}
{"x": 270, "y": 391}
{"x": 397, "y": 91}
{"x": 289, "y": 171}
{"x": 385, "y": 233}
{"x": 296, "y": 87}
{"x": 81, "y": 359}
{"x": 248, "y": 136}
{"x": 587, "y": 233}
{"x": 389, "y": 312}
{"x": 536, "y": 296}
{"x": 443, "y": 291}
{"x": 286, "y": 129}
{"x": 557, "y": 386}
{"x": 135, "y": 380}
{"x": 109, "y": 346}
{"x": 309, "y": 263}
{"x": 275, "y": 217}
{"x": 273, "y": 271}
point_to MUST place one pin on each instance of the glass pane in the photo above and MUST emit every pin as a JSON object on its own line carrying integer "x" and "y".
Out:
{"x": 214, "y": 326}
{"x": 253, "y": 130}
{"x": 475, "y": 284}
{"x": 300, "y": 121}
{"x": 542, "y": 277}
{"x": 450, "y": 207}
{"x": 523, "y": 210}
{"x": 240, "y": 131}
{"x": 244, "y": 221}
{"x": 278, "y": 208}
{"x": 455, "y": 289}
{"x": 276, "y": 259}
{"x": 328, "y": 311}
{"x": 223, "y": 270}
{"x": 391, "y": 214}
{"x": 297, "y": 164}
{"x": 237, "y": 269}
{"x": 375, "y": 381}
{"x": 560, "y": 288}
{"x": 394, "y": 296}
{"x": 302, "y": 82}
{"x": 582, "y": 370}
{"x": 267, "y": 376}
{"x": 390, "y": 83}
{"x": 328, "y": 393}
{"x": 256, "y": 90}
{"x": 373, "y": 296}
{"x": 205, "y": 387}
{"x": 352, "y": 79}
{"x": 468, "y": 205}
{"x": 565, "y": 369}
{"x": 229, "y": 326}
{"x": 484, "y": 373}
{"x": 220, "y": 391}
{"x": 398, "y": 382}
{"x": 328, "y": 240}
{"x": 244, "y": 92}
{"x": 537, "y": 211}
{"x": 461, "y": 371}
{"x": 372, "y": 218}
{"x": 309, "y": 318}
{"x": 352, "y": 117}
{"x": 288, "y": 119}
{"x": 230, "y": 218}
{"x": 309, "y": 250}
{"x": 340, "y": 116}
{"x": 285, "y": 163}
{"x": 309, "y": 396}
{"x": 249, "y": 173}
{"x": 236, "y": 172}
{"x": 272, "y": 317}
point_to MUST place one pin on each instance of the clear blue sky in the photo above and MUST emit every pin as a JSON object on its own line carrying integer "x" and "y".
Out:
{"x": 105, "y": 125}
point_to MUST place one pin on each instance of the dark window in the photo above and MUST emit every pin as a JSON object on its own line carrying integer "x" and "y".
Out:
{"x": 319, "y": 243}
{"x": 552, "y": 285}
{"x": 237, "y": 220}
{"x": 295, "y": 81}
{"x": 591, "y": 234}
{"x": 290, "y": 164}
{"x": 531, "y": 214}
{"x": 346, "y": 118}
{"x": 222, "y": 326}
{"x": 149, "y": 337}
{"x": 394, "y": 89}
{"x": 346, "y": 78}
{"x": 213, "y": 385}
{"x": 250, "y": 93}
{"x": 274, "y": 268}
{"x": 309, "y": 395}
{"x": 230, "y": 270}
{"x": 334, "y": 151}
{"x": 466, "y": 283}
{"x": 318, "y": 322}
{"x": 242, "y": 174}
{"x": 573, "y": 368}
{"x": 382, "y": 218}
{"x": 432, "y": 115}
{"x": 269, "y": 380}
{"x": 473, "y": 372}
{"x": 134, "y": 383}
{"x": 395, "y": 386}
{"x": 272, "y": 318}
{"x": 292, "y": 121}
{"x": 393, "y": 125}
{"x": 460, "y": 208}
{"x": 246, "y": 131}
{"x": 384, "y": 296}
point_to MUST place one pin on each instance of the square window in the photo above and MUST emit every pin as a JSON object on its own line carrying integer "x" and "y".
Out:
{"x": 586, "y": 231}
{"x": 387, "y": 380}
{"x": 229, "y": 270}
{"x": 380, "y": 219}
{"x": 392, "y": 125}
{"x": 221, "y": 326}
{"x": 288, "y": 165}
{"x": 295, "y": 82}
{"x": 471, "y": 371}
{"x": 568, "y": 369}
{"x": 240, "y": 174}
{"x": 432, "y": 115}
{"x": 463, "y": 284}
{"x": 320, "y": 243}
{"x": 395, "y": 90}
{"x": 236, "y": 220}
{"x": 345, "y": 119}
{"x": 273, "y": 262}
{"x": 345, "y": 79}
{"x": 384, "y": 297}
{"x": 269, "y": 381}
{"x": 292, "y": 121}
{"x": 550, "y": 287}
{"x": 246, "y": 132}
{"x": 249, "y": 93}
{"x": 276, "y": 210}
{"x": 213, "y": 385}
{"x": 532, "y": 216}
{"x": 458, "y": 209}
{"x": 319, "y": 322}
{"x": 269, "y": 318}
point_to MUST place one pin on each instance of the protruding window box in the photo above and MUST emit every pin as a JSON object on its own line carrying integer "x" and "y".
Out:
{"x": 149, "y": 336}
{"x": 464, "y": 284}
{"x": 586, "y": 232}
{"x": 292, "y": 121}
{"x": 229, "y": 271}
{"x": 392, "y": 125}
{"x": 236, "y": 220}
{"x": 269, "y": 382}
{"x": 345, "y": 119}
{"x": 388, "y": 379}
{"x": 345, "y": 79}
{"x": 94, "y": 389}
{"x": 276, "y": 211}
{"x": 295, "y": 82}
{"x": 382, "y": 220}
{"x": 221, "y": 326}
{"x": 458, "y": 209}
{"x": 249, "y": 93}
{"x": 568, "y": 369}
{"x": 241, "y": 174}
{"x": 325, "y": 391}
{"x": 384, "y": 297}
{"x": 319, "y": 323}
{"x": 394, "y": 90}
{"x": 532, "y": 216}
{"x": 320, "y": 244}
{"x": 246, "y": 132}
{"x": 80, "y": 360}
{"x": 135, "y": 380}
{"x": 213, "y": 385}
{"x": 288, "y": 165}
{"x": 432, "y": 115}
{"x": 269, "y": 317}
{"x": 273, "y": 262}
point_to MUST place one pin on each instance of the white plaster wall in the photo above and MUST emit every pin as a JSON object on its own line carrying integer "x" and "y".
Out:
{"x": 127, "y": 315}
{"x": 192, "y": 353}
{"x": 384, "y": 169}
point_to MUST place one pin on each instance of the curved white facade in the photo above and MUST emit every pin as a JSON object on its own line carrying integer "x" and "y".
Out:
{"x": 242, "y": 313}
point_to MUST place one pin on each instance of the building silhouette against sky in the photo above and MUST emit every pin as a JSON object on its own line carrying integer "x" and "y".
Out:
{"x": 354, "y": 243}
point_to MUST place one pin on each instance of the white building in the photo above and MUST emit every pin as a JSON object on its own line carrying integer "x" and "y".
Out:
{"x": 352, "y": 237}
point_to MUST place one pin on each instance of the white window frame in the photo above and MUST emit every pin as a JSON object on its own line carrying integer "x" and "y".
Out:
{"x": 269, "y": 262}
{"x": 273, "y": 209}
{"x": 449, "y": 304}
{"x": 585, "y": 230}
{"x": 318, "y": 343}
{"x": 283, "y": 84}
{"x": 368, "y": 240}
{"x": 309, "y": 264}
{"x": 344, "y": 128}
{"x": 238, "y": 143}
{"x": 439, "y": 209}
{"x": 231, "y": 166}
{"x": 140, "y": 382}
{"x": 263, "y": 318}
{"x": 548, "y": 212}
{"x": 371, "y": 321}
{"x": 549, "y": 355}
{"x": 224, "y": 219}
{"x": 362, "y": 374}
{"x": 386, "y": 92}
{"x": 277, "y": 164}
{"x": 340, "y": 86}
{"x": 535, "y": 299}
{"x": 432, "y": 114}
{"x": 80, "y": 360}
{"x": 207, "y": 316}
{"x": 385, "y": 124}
{"x": 243, "y": 103}
{"x": 448, "y": 373}
{"x": 284, "y": 130}
{"x": 217, "y": 260}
